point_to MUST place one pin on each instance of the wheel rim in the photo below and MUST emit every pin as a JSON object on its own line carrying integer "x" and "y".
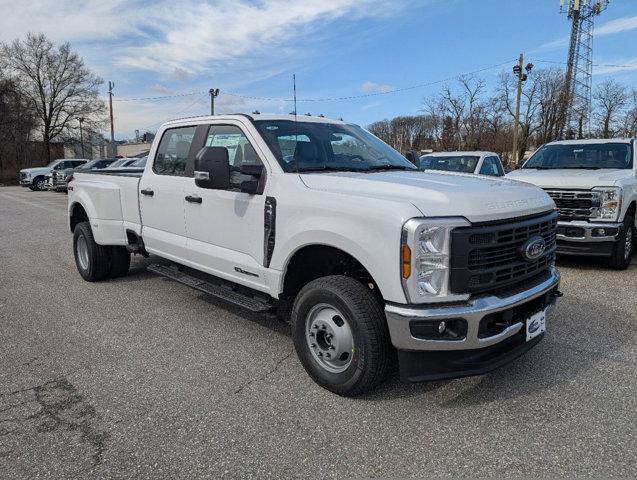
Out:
{"x": 40, "y": 185}
{"x": 82, "y": 252}
{"x": 628, "y": 244}
{"x": 329, "y": 338}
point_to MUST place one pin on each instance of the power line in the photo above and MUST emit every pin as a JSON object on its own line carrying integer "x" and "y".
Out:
{"x": 371, "y": 94}
{"x": 323, "y": 99}
{"x": 159, "y": 98}
{"x": 594, "y": 64}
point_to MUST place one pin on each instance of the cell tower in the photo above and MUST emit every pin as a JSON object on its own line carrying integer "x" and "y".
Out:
{"x": 579, "y": 69}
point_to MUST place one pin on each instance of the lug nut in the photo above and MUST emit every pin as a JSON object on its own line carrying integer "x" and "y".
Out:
{"x": 320, "y": 354}
{"x": 328, "y": 355}
{"x": 312, "y": 334}
{"x": 313, "y": 345}
{"x": 332, "y": 347}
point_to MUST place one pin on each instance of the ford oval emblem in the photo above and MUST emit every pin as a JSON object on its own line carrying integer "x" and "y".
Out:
{"x": 533, "y": 248}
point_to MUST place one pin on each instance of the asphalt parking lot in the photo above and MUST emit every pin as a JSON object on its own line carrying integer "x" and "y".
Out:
{"x": 142, "y": 377}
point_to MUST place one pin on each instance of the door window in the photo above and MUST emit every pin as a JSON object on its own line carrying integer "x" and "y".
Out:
{"x": 491, "y": 166}
{"x": 240, "y": 150}
{"x": 172, "y": 153}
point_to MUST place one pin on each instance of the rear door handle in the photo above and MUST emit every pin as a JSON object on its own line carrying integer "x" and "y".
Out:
{"x": 193, "y": 199}
{"x": 147, "y": 192}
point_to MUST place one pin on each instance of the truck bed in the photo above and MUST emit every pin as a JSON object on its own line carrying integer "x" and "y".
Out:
{"x": 114, "y": 196}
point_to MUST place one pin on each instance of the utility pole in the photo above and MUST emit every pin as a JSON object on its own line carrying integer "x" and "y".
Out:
{"x": 111, "y": 86}
{"x": 214, "y": 92}
{"x": 522, "y": 76}
{"x": 81, "y": 136}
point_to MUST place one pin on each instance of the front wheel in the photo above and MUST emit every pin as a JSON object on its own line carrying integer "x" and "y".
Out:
{"x": 340, "y": 335}
{"x": 620, "y": 258}
{"x": 38, "y": 184}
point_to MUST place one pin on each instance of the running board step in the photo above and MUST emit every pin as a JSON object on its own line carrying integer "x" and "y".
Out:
{"x": 218, "y": 291}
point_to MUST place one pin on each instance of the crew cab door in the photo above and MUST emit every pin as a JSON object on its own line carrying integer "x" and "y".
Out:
{"x": 225, "y": 228}
{"x": 161, "y": 194}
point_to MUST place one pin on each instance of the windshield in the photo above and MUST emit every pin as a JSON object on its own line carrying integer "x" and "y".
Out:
{"x": 451, "y": 163}
{"x": 53, "y": 163}
{"x": 98, "y": 163}
{"x": 313, "y": 146}
{"x": 591, "y": 156}
{"x": 139, "y": 163}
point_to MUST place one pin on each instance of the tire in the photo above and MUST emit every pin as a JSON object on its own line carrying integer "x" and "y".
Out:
{"x": 38, "y": 184}
{"x": 323, "y": 313}
{"x": 92, "y": 260}
{"x": 120, "y": 262}
{"x": 620, "y": 258}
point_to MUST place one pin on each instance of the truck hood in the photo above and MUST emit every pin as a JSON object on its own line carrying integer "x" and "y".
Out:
{"x": 477, "y": 198}
{"x": 572, "y": 178}
{"x": 36, "y": 170}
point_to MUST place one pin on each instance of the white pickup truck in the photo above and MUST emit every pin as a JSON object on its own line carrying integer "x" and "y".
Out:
{"x": 329, "y": 227}
{"x": 594, "y": 185}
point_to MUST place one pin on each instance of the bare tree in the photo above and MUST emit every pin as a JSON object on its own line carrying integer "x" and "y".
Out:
{"x": 57, "y": 84}
{"x": 550, "y": 112}
{"x": 17, "y": 120}
{"x": 629, "y": 120}
{"x": 610, "y": 98}
{"x": 529, "y": 106}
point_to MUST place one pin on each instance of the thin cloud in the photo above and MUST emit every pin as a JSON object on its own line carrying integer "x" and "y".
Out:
{"x": 373, "y": 87}
{"x": 613, "y": 27}
{"x": 616, "y": 26}
{"x": 615, "y": 66}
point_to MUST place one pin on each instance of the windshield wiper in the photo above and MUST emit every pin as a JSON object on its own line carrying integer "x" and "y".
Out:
{"x": 581, "y": 167}
{"x": 325, "y": 168}
{"x": 389, "y": 167}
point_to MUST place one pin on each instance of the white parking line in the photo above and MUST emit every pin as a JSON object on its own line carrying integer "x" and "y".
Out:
{"x": 26, "y": 202}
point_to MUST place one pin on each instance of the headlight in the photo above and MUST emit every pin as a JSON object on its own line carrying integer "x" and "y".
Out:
{"x": 425, "y": 259}
{"x": 608, "y": 202}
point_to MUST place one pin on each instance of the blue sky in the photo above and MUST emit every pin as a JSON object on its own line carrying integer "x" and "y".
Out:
{"x": 337, "y": 48}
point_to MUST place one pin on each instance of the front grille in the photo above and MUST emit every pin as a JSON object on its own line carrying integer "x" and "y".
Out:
{"x": 575, "y": 204}
{"x": 23, "y": 175}
{"x": 489, "y": 257}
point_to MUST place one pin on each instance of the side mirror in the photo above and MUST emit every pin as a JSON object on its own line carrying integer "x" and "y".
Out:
{"x": 212, "y": 168}
{"x": 254, "y": 170}
{"x": 413, "y": 157}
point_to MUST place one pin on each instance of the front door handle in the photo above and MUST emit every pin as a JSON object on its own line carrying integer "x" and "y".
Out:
{"x": 193, "y": 199}
{"x": 147, "y": 192}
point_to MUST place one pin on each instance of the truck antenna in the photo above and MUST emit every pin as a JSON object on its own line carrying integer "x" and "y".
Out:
{"x": 296, "y": 129}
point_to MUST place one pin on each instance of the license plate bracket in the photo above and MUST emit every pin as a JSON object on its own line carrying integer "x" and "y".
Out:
{"x": 535, "y": 325}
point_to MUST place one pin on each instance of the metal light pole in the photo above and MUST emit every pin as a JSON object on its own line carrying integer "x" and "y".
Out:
{"x": 111, "y": 86}
{"x": 214, "y": 92}
{"x": 517, "y": 71}
{"x": 81, "y": 136}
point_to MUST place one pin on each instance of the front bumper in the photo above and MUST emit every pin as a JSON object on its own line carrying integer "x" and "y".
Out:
{"x": 56, "y": 183}
{"x": 587, "y": 238}
{"x": 475, "y": 353}
{"x": 25, "y": 182}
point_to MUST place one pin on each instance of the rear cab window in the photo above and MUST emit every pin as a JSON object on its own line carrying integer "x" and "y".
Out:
{"x": 172, "y": 154}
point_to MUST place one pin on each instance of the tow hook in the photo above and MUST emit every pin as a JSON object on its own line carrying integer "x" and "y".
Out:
{"x": 557, "y": 294}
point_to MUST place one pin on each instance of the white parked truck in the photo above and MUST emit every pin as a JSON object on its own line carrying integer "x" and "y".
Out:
{"x": 479, "y": 163}
{"x": 329, "y": 227}
{"x": 594, "y": 185}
